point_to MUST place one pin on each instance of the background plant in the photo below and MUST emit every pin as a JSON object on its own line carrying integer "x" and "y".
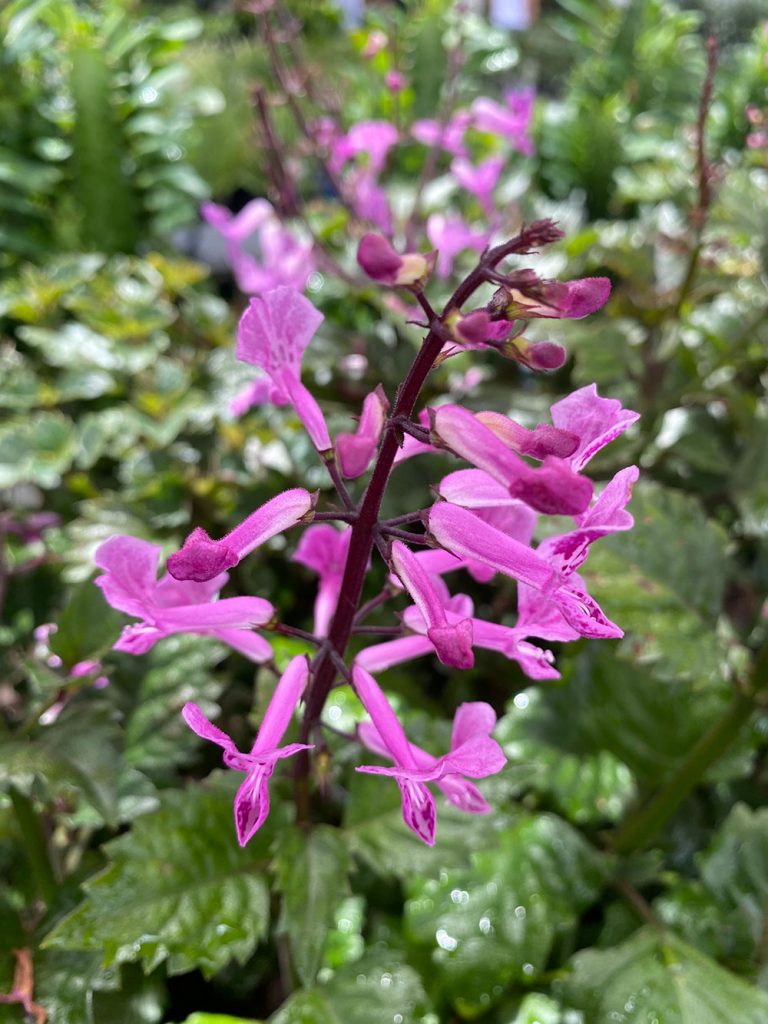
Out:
{"x": 623, "y": 871}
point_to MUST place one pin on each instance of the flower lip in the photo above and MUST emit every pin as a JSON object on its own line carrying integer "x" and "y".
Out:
{"x": 201, "y": 558}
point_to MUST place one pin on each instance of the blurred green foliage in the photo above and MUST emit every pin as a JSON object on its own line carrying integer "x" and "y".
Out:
{"x": 622, "y": 874}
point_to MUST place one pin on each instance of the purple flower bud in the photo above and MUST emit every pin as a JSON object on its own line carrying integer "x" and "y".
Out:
{"x": 381, "y": 263}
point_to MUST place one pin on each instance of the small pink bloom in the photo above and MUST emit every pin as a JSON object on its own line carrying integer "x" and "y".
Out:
{"x": 568, "y": 300}
{"x": 258, "y": 392}
{"x": 480, "y": 179}
{"x": 474, "y": 754}
{"x": 373, "y": 138}
{"x": 451, "y": 235}
{"x": 201, "y": 559}
{"x": 273, "y": 333}
{"x": 166, "y": 606}
{"x": 238, "y": 227}
{"x": 475, "y": 719}
{"x": 553, "y": 488}
{"x": 369, "y": 200}
{"x": 452, "y": 642}
{"x": 356, "y": 451}
{"x": 538, "y": 443}
{"x": 468, "y": 536}
{"x": 510, "y": 122}
{"x": 449, "y": 137}
{"x": 252, "y": 799}
{"x": 323, "y": 549}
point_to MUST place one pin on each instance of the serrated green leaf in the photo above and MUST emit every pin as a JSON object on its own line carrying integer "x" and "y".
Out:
{"x": 374, "y": 831}
{"x": 498, "y": 920}
{"x": 65, "y": 983}
{"x": 312, "y": 878}
{"x": 585, "y": 788}
{"x": 178, "y": 888}
{"x": 178, "y": 670}
{"x": 655, "y": 976}
{"x": 663, "y": 583}
{"x": 375, "y": 990}
{"x": 79, "y": 752}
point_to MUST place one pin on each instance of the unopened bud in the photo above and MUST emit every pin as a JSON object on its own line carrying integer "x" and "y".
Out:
{"x": 381, "y": 263}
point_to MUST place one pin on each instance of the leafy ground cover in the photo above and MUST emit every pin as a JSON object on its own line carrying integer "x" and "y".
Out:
{"x": 621, "y": 872}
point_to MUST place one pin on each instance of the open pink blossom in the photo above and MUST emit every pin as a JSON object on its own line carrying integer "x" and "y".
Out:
{"x": 201, "y": 558}
{"x": 284, "y": 261}
{"x": 449, "y": 136}
{"x": 553, "y": 488}
{"x": 167, "y": 606}
{"x": 237, "y": 227}
{"x": 323, "y": 549}
{"x": 356, "y": 451}
{"x": 369, "y": 200}
{"x": 252, "y": 799}
{"x": 373, "y": 138}
{"x": 479, "y": 179}
{"x": 510, "y": 122}
{"x": 468, "y": 536}
{"x": 451, "y": 235}
{"x": 473, "y": 755}
{"x": 473, "y": 719}
{"x": 452, "y": 641}
{"x": 273, "y": 333}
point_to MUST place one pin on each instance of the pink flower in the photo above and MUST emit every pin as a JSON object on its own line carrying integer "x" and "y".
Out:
{"x": 449, "y": 137}
{"x": 273, "y": 334}
{"x": 553, "y": 488}
{"x": 451, "y": 235}
{"x": 480, "y": 179}
{"x": 369, "y": 200}
{"x": 510, "y": 122}
{"x": 452, "y": 641}
{"x": 470, "y": 720}
{"x": 561, "y": 300}
{"x": 252, "y": 799}
{"x": 167, "y": 606}
{"x": 374, "y": 44}
{"x": 468, "y": 536}
{"x": 473, "y": 754}
{"x": 373, "y": 138}
{"x": 323, "y": 549}
{"x": 237, "y": 227}
{"x": 201, "y": 558}
{"x": 356, "y": 451}
{"x": 595, "y": 421}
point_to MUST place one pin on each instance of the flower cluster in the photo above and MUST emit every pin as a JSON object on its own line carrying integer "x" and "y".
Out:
{"x": 483, "y": 523}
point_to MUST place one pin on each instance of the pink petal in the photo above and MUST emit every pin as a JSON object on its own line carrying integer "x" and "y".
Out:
{"x": 199, "y": 724}
{"x": 466, "y": 535}
{"x": 231, "y": 613}
{"x": 307, "y": 408}
{"x": 473, "y": 488}
{"x": 384, "y": 718}
{"x": 553, "y": 489}
{"x": 130, "y": 565}
{"x": 252, "y": 802}
{"x": 419, "y": 811}
{"x": 453, "y": 644}
{"x": 584, "y": 613}
{"x": 478, "y": 757}
{"x": 543, "y": 440}
{"x": 473, "y": 718}
{"x": 280, "y": 711}
{"x": 251, "y": 645}
{"x": 594, "y": 420}
{"x": 379, "y": 657}
{"x": 356, "y": 451}
{"x": 463, "y": 794}
{"x": 139, "y": 638}
{"x": 275, "y": 330}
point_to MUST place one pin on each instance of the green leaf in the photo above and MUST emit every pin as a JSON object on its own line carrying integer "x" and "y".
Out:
{"x": 655, "y": 976}
{"x": 725, "y": 912}
{"x": 378, "y": 989}
{"x": 663, "y": 583}
{"x": 178, "y": 888}
{"x": 499, "y": 920}
{"x": 585, "y": 788}
{"x": 36, "y": 450}
{"x": 65, "y": 984}
{"x": 178, "y": 670}
{"x": 375, "y": 831}
{"x": 79, "y": 752}
{"x": 87, "y": 627}
{"x": 312, "y": 878}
